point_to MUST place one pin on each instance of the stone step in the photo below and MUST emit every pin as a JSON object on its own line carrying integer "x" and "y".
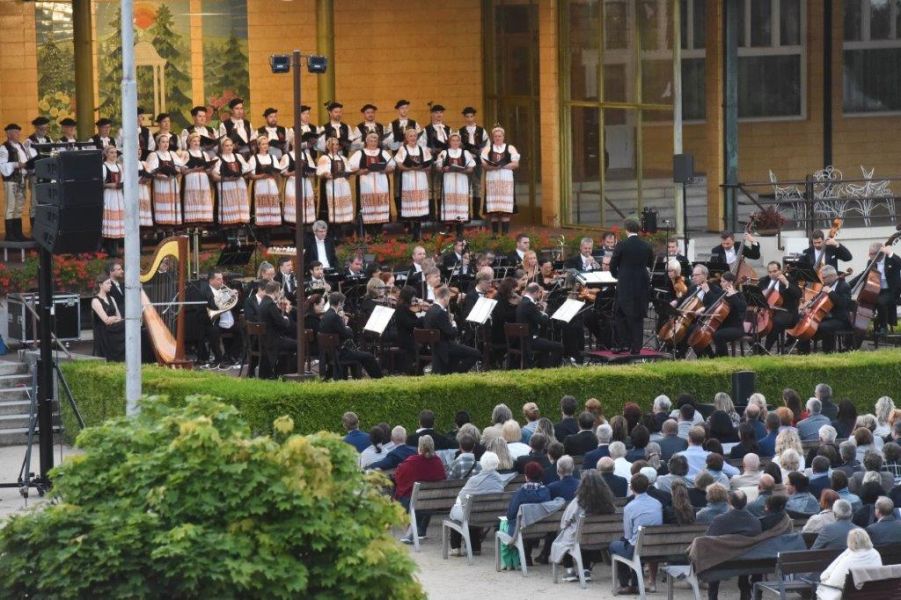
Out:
{"x": 19, "y": 436}
{"x": 8, "y": 367}
{"x": 15, "y": 407}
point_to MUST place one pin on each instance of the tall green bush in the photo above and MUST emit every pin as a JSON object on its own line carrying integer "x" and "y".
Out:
{"x": 181, "y": 502}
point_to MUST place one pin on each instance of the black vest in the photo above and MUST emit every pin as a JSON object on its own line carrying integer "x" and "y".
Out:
{"x": 281, "y": 137}
{"x": 229, "y": 168}
{"x": 342, "y": 133}
{"x": 364, "y": 130}
{"x": 366, "y": 160}
{"x": 13, "y": 154}
{"x": 262, "y": 169}
{"x": 34, "y": 139}
{"x": 112, "y": 176}
{"x": 431, "y": 137}
{"x": 232, "y": 133}
{"x": 99, "y": 143}
{"x": 474, "y": 147}
{"x": 397, "y": 132}
{"x": 144, "y": 142}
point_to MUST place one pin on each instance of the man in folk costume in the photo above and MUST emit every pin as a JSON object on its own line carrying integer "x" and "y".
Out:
{"x": 69, "y": 135}
{"x": 39, "y": 136}
{"x": 237, "y": 129}
{"x": 207, "y": 134}
{"x": 103, "y": 138}
{"x": 435, "y": 139}
{"x": 474, "y": 138}
{"x": 368, "y": 125}
{"x": 336, "y": 128}
{"x": 309, "y": 134}
{"x": 146, "y": 140}
{"x": 280, "y": 138}
{"x": 15, "y": 161}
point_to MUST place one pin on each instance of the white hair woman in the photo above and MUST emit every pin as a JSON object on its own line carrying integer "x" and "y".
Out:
{"x": 885, "y": 407}
{"x": 512, "y": 434}
{"x": 486, "y": 481}
{"x": 860, "y": 553}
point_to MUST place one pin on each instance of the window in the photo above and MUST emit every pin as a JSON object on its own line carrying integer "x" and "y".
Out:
{"x": 872, "y": 56}
{"x": 771, "y": 69}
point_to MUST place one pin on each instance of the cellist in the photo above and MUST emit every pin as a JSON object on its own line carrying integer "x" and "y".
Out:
{"x": 708, "y": 293}
{"x": 839, "y": 317}
{"x": 777, "y": 282}
{"x": 889, "y": 269}
{"x": 733, "y": 327}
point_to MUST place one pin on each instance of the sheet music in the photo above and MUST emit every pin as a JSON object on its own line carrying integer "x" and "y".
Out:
{"x": 568, "y": 310}
{"x": 481, "y": 311}
{"x": 596, "y": 278}
{"x": 379, "y": 319}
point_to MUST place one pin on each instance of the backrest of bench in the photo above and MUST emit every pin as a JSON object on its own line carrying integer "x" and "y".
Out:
{"x": 435, "y": 495}
{"x": 805, "y": 561}
{"x": 486, "y": 508}
{"x": 666, "y": 541}
{"x": 548, "y": 524}
{"x": 599, "y": 530}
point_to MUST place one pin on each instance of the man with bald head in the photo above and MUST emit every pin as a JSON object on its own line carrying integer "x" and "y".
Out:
{"x": 750, "y": 472}
{"x": 765, "y": 488}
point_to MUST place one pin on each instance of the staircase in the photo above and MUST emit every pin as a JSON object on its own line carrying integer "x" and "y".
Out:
{"x": 15, "y": 404}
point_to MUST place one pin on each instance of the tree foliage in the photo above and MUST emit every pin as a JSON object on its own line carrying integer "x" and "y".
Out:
{"x": 184, "y": 503}
{"x": 55, "y": 74}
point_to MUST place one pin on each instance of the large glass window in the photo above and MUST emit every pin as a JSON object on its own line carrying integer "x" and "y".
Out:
{"x": 872, "y": 56}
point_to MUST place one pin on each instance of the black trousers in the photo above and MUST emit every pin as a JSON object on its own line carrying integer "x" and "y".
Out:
{"x": 270, "y": 366}
{"x": 724, "y": 335}
{"x": 781, "y": 322}
{"x": 548, "y": 352}
{"x": 213, "y": 337}
{"x": 462, "y": 357}
{"x": 631, "y": 329}
{"x": 370, "y": 364}
{"x": 745, "y": 584}
{"x": 475, "y": 538}
{"x": 886, "y": 309}
{"x": 826, "y": 332}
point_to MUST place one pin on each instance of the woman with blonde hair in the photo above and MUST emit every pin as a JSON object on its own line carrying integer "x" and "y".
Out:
{"x": 546, "y": 427}
{"x": 512, "y": 434}
{"x": 788, "y": 439}
{"x": 198, "y": 193}
{"x": 722, "y": 401}
{"x": 504, "y": 460}
{"x": 885, "y": 408}
{"x": 165, "y": 165}
{"x": 332, "y": 169}
{"x": 860, "y": 554}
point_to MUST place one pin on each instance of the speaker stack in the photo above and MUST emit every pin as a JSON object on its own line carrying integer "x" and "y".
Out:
{"x": 69, "y": 195}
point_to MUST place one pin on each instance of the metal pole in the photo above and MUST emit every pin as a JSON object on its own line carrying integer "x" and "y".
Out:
{"x": 730, "y": 124}
{"x": 45, "y": 383}
{"x": 82, "y": 34}
{"x": 299, "y": 163}
{"x": 678, "y": 191}
{"x": 130, "y": 158}
{"x": 827, "y": 83}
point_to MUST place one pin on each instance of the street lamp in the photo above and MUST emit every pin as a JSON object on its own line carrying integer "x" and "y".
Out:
{"x": 283, "y": 63}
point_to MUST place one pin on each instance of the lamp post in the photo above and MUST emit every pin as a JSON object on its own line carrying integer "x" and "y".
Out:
{"x": 282, "y": 63}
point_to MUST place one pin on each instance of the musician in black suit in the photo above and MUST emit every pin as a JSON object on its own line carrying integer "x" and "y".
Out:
{"x": 733, "y": 327}
{"x": 584, "y": 261}
{"x": 321, "y": 247}
{"x": 672, "y": 251}
{"x": 889, "y": 269}
{"x": 839, "y": 318}
{"x": 117, "y": 290}
{"x": 708, "y": 293}
{"x": 630, "y": 263}
{"x": 281, "y": 335}
{"x": 214, "y": 293}
{"x": 528, "y": 312}
{"x": 254, "y": 300}
{"x": 333, "y": 322}
{"x": 457, "y": 259}
{"x": 355, "y": 270}
{"x": 725, "y": 252}
{"x": 776, "y": 279}
{"x": 819, "y": 244}
{"x": 448, "y": 356}
{"x": 522, "y": 246}
{"x": 415, "y": 276}
{"x": 608, "y": 245}
{"x": 286, "y": 278}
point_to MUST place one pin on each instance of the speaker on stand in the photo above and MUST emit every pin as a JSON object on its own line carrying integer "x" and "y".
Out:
{"x": 684, "y": 173}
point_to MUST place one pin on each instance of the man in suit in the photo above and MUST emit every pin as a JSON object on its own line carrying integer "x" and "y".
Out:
{"x": 630, "y": 263}
{"x": 355, "y": 269}
{"x": 813, "y": 255}
{"x": 117, "y": 290}
{"x": 839, "y": 318}
{"x": 672, "y": 251}
{"x": 776, "y": 281}
{"x": 584, "y": 261}
{"x": 522, "y": 246}
{"x": 333, "y": 322}
{"x": 887, "y": 528}
{"x": 253, "y": 301}
{"x": 736, "y": 521}
{"x": 356, "y": 438}
{"x": 448, "y": 356}
{"x": 809, "y": 428}
{"x": 281, "y": 332}
{"x": 835, "y": 535}
{"x": 888, "y": 267}
{"x": 415, "y": 276}
{"x": 321, "y": 247}
{"x": 585, "y": 441}
{"x": 608, "y": 245}
{"x": 286, "y": 278}
{"x": 725, "y": 252}
{"x": 455, "y": 257}
{"x": 224, "y": 357}
{"x": 529, "y": 313}
{"x": 567, "y": 484}
{"x": 670, "y": 443}
{"x": 427, "y": 427}
{"x": 872, "y": 463}
{"x": 618, "y": 485}
{"x": 603, "y": 435}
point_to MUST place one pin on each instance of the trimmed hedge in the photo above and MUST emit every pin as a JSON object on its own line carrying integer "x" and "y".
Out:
{"x": 862, "y": 376}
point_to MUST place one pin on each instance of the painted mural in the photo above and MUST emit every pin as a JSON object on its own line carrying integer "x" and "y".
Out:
{"x": 225, "y": 72}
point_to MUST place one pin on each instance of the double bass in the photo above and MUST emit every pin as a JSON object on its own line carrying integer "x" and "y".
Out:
{"x": 744, "y": 273}
{"x": 866, "y": 291}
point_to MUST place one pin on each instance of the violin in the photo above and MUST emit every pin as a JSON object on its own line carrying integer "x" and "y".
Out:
{"x": 586, "y": 294}
{"x": 492, "y": 291}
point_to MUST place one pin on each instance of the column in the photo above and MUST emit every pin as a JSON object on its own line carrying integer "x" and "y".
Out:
{"x": 84, "y": 67}
{"x": 325, "y": 46}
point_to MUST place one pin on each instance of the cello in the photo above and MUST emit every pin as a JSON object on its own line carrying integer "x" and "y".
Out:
{"x": 812, "y": 287}
{"x": 866, "y": 290}
{"x": 710, "y": 321}
{"x": 812, "y": 314}
{"x": 674, "y": 330}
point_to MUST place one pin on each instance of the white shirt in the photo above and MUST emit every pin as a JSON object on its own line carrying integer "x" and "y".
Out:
{"x": 623, "y": 468}
{"x": 323, "y": 255}
{"x": 730, "y": 255}
{"x": 272, "y": 134}
{"x": 773, "y": 284}
{"x": 417, "y": 268}
{"x": 816, "y": 255}
{"x": 880, "y": 266}
{"x": 835, "y": 574}
{"x": 586, "y": 262}
{"x": 226, "y": 319}
{"x": 8, "y": 163}
{"x": 430, "y": 294}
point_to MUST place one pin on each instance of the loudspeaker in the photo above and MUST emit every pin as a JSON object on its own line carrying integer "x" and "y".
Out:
{"x": 683, "y": 168}
{"x": 743, "y": 383}
{"x": 69, "y": 196}
{"x": 648, "y": 220}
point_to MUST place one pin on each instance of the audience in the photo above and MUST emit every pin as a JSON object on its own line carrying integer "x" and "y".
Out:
{"x": 887, "y": 528}
{"x": 533, "y": 491}
{"x": 512, "y": 434}
{"x": 884, "y": 409}
{"x": 819, "y": 476}
{"x": 640, "y": 437}
{"x": 678, "y": 469}
{"x": 736, "y": 520}
{"x": 892, "y": 463}
{"x": 747, "y": 442}
{"x": 486, "y": 481}
{"x": 642, "y": 511}
{"x": 427, "y": 427}
{"x": 465, "y": 463}
{"x": 683, "y": 513}
{"x": 773, "y": 511}
{"x": 834, "y": 535}
{"x": 825, "y": 517}
{"x": 767, "y": 443}
{"x": 863, "y": 439}
{"x": 809, "y": 428}
{"x": 585, "y": 440}
{"x": 870, "y": 492}
{"x": 537, "y": 453}
{"x": 618, "y": 485}
{"x": 621, "y": 466}
{"x": 565, "y": 487}
{"x": 687, "y": 420}
{"x": 531, "y": 412}
{"x": 504, "y": 460}
{"x": 698, "y": 493}
{"x": 422, "y": 466}
{"x": 602, "y": 435}
{"x": 859, "y": 554}
{"x": 697, "y": 456}
{"x": 717, "y": 496}
{"x": 840, "y": 485}
{"x": 826, "y": 437}
{"x": 800, "y": 500}
{"x": 593, "y": 497}
{"x": 750, "y": 473}
{"x": 660, "y": 412}
{"x": 872, "y": 463}
{"x": 398, "y": 454}
{"x": 670, "y": 442}
{"x": 568, "y": 424}
{"x": 823, "y": 393}
{"x": 380, "y": 445}
{"x": 593, "y": 405}
{"x": 845, "y": 419}
{"x": 765, "y": 488}
{"x": 554, "y": 452}
{"x": 848, "y": 452}
{"x": 354, "y": 436}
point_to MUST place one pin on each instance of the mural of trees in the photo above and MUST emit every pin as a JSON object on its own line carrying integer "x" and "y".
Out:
{"x": 225, "y": 56}
{"x": 56, "y": 54}
{"x": 110, "y": 67}
{"x": 176, "y": 50}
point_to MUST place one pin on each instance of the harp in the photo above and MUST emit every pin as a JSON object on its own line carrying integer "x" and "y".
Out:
{"x": 163, "y": 301}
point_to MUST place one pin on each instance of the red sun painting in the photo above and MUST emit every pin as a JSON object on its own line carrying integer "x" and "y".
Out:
{"x": 145, "y": 15}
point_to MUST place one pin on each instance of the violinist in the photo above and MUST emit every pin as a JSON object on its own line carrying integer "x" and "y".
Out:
{"x": 834, "y": 251}
{"x": 482, "y": 286}
{"x": 533, "y": 315}
{"x": 522, "y": 246}
{"x": 889, "y": 269}
{"x": 432, "y": 283}
{"x": 777, "y": 282}
{"x": 280, "y": 338}
{"x": 530, "y": 266}
{"x": 448, "y": 356}
{"x": 584, "y": 261}
{"x": 505, "y": 310}
{"x": 839, "y": 317}
{"x": 334, "y": 321}
{"x": 406, "y": 319}
{"x": 725, "y": 251}
{"x": 547, "y": 276}
{"x": 376, "y": 294}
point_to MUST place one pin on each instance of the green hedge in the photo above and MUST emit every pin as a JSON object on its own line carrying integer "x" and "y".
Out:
{"x": 862, "y": 376}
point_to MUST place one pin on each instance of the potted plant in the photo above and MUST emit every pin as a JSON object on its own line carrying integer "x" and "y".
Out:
{"x": 767, "y": 221}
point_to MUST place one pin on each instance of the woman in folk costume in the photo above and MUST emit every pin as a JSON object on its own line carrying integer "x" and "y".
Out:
{"x": 500, "y": 159}
{"x": 264, "y": 171}
{"x": 165, "y": 166}
{"x": 371, "y": 164}
{"x": 288, "y": 168}
{"x": 414, "y": 162}
{"x": 332, "y": 169}
{"x": 145, "y": 194}
{"x": 198, "y": 194}
{"x": 228, "y": 172}
{"x": 456, "y": 164}
{"x": 113, "y": 200}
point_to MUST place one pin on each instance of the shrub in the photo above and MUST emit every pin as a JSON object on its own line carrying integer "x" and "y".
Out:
{"x": 314, "y": 406}
{"x": 183, "y": 503}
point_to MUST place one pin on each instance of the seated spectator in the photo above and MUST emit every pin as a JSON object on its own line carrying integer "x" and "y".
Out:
{"x": 641, "y": 437}
{"x": 715, "y": 468}
{"x": 585, "y": 440}
{"x": 670, "y": 442}
{"x": 568, "y": 424}
{"x": 486, "y": 481}
{"x": 618, "y": 485}
{"x": 848, "y": 452}
{"x": 840, "y": 485}
{"x": 687, "y": 420}
{"x": 425, "y": 465}
{"x": 465, "y": 463}
{"x": 379, "y": 447}
{"x": 721, "y": 427}
{"x": 826, "y": 436}
{"x": 765, "y": 488}
{"x": 789, "y": 462}
{"x": 717, "y": 495}
{"x": 461, "y": 418}
{"x": 819, "y": 476}
{"x": 398, "y": 454}
{"x": 678, "y": 469}
{"x": 354, "y": 436}
{"x": 632, "y": 414}
{"x": 859, "y": 554}
{"x": 736, "y": 520}
{"x": 887, "y": 528}
{"x": 593, "y": 405}
{"x": 895, "y": 495}
{"x": 537, "y": 453}
{"x": 681, "y": 401}
{"x": 788, "y": 440}
{"x": 504, "y": 460}
{"x": 593, "y": 497}
{"x": 884, "y": 409}
{"x": 660, "y": 412}
{"x": 868, "y": 422}
{"x": 565, "y": 487}
{"x": 747, "y": 442}
{"x": 752, "y": 417}
{"x": 532, "y": 413}
{"x": 698, "y": 493}
{"x": 892, "y": 464}
{"x": 665, "y": 498}
{"x": 750, "y": 473}
{"x": 846, "y": 419}
{"x": 653, "y": 456}
{"x": 622, "y": 467}
{"x": 500, "y": 414}
{"x": 792, "y": 401}
{"x": 682, "y": 513}
{"x": 800, "y": 500}
{"x": 643, "y": 511}
{"x": 825, "y": 517}
{"x": 512, "y": 434}
{"x": 872, "y": 463}
{"x": 697, "y": 456}
{"x": 809, "y": 428}
{"x": 554, "y": 452}
{"x": 620, "y": 428}
{"x": 863, "y": 438}
{"x": 603, "y": 435}
{"x": 774, "y": 471}
{"x": 773, "y": 511}
{"x": 473, "y": 431}
{"x": 786, "y": 419}
{"x": 834, "y": 536}
{"x": 870, "y": 492}
{"x": 427, "y": 427}
{"x": 546, "y": 426}
{"x": 533, "y": 491}
{"x": 767, "y": 443}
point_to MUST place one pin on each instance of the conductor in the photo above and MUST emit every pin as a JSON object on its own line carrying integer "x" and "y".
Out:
{"x": 630, "y": 263}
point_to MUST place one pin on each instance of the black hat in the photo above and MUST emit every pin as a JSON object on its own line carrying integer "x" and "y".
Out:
{"x": 304, "y": 108}
{"x": 235, "y": 102}
{"x": 102, "y": 122}
{"x": 141, "y": 111}
{"x": 12, "y": 127}
{"x": 469, "y": 110}
{"x": 162, "y": 116}
{"x": 197, "y": 109}
{"x": 400, "y": 103}
{"x": 436, "y": 108}
{"x": 67, "y": 122}
{"x": 330, "y": 106}
{"x": 38, "y": 121}
{"x": 269, "y": 111}
{"x": 310, "y": 136}
{"x": 368, "y": 107}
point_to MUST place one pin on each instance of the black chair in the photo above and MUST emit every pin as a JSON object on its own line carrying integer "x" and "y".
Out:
{"x": 424, "y": 338}
{"x": 330, "y": 364}
{"x": 516, "y": 336}
{"x": 253, "y": 348}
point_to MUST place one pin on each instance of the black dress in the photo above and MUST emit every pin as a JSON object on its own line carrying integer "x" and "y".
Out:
{"x": 109, "y": 340}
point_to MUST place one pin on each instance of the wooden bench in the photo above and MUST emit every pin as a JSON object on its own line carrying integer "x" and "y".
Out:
{"x": 549, "y": 525}
{"x": 480, "y": 510}
{"x": 882, "y": 589}
{"x": 593, "y": 532}
{"x": 661, "y": 544}
{"x": 434, "y": 497}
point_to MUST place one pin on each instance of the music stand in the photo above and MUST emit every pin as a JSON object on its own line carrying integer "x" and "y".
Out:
{"x": 379, "y": 319}
{"x": 568, "y": 310}
{"x": 236, "y": 255}
{"x": 481, "y": 311}
{"x": 803, "y": 271}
